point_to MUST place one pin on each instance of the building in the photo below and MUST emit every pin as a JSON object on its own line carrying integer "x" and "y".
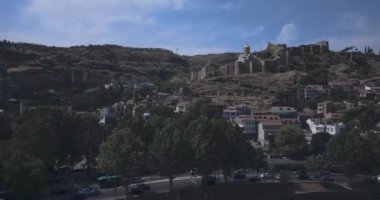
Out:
{"x": 272, "y": 59}
{"x": 310, "y": 91}
{"x": 370, "y": 89}
{"x": 232, "y": 112}
{"x": 304, "y": 115}
{"x": 267, "y": 130}
{"x": 182, "y": 107}
{"x": 249, "y": 125}
{"x": 330, "y": 109}
{"x": 284, "y": 111}
{"x": 318, "y": 125}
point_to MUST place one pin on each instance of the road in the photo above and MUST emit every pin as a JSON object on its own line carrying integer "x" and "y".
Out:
{"x": 157, "y": 186}
{"x": 160, "y": 185}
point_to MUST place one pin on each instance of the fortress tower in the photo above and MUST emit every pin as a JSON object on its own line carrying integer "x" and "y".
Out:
{"x": 246, "y": 50}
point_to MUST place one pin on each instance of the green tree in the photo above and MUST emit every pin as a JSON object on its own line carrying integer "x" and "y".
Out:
{"x": 6, "y": 129}
{"x": 37, "y": 138}
{"x": 122, "y": 154}
{"x": 353, "y": 151}
{"x": 202, "y": 144}
{"x": 172, "y": 151}
{"x": 23, "y": 175}
{"x": 290, "y": 141}
{"x": 319, "y": 142}
{"x": 317, "y": 163}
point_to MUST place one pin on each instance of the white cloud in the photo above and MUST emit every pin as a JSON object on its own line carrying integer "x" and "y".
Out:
{"x": 83, "y": 17}
{"x": 288, "y": 34}
{"x": 253, "y": 33}
{"x": 358, "y": 30}
{"x": 229, "y": 6}
{"x": 354, "y": 22}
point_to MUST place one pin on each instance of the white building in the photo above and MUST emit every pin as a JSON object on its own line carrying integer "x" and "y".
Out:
{"x": 248, "y": 124}
{"x": 317, "y": 126}
{"x": 182, "y": 107}
{"x": 267, "y": 130}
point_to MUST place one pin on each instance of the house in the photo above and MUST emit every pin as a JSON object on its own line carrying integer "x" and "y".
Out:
{"x": 330, "y": 109}
{"x": 284, "y": 111}
{"x": 318, "y": 125}
{"x": 291, "y": 121}
{"x": 370, "y": 89}
{"x": 182, "y": 107}
{"x": 310, "y": 91}
{"x": 232, "y": 112}
{"x": 267, "y": 130}
{"x": 249, "y": 125}
{"x": 305, "y": 114}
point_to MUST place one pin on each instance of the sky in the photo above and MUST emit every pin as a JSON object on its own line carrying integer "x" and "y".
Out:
{"x": 192, "y": 26}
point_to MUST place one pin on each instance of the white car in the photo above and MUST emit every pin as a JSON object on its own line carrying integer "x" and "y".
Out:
{"x": 266, "y": 175}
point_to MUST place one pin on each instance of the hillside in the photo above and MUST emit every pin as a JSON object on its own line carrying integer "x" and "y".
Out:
{"x": 303, "y": 69}
{"x": 103, "y": 63}
{"x": 38, "y": 68}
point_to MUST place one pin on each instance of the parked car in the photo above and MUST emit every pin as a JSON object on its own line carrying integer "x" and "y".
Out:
{"x": 143, "y": 186}
{"x": 301, "y": 174}
{"x": 193, "y": 172}
{"x": 5, "y": 195}
{"x": 319, "y": 175}
{"x": 137, "y": 180}
{"x": 134, "y": 190}
{"x": 86, "y": 190}
{"x": 239, "y": 175}
{"x": 326, "y": 178}
{"x": 254, "y": 179}
{"x": 59, "y": 191}
{"x": 266, "y": 175}
{"x": 208, "y": 180}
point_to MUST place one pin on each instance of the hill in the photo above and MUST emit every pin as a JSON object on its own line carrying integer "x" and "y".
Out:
{"x": 37, "y": 68}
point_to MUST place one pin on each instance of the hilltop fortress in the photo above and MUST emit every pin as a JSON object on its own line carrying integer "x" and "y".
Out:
{"x": 271, "y": 59}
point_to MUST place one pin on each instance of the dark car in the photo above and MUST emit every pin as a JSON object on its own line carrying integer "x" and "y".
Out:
{"x": 5, "y": 195}
{"x": 59, "y": 191}
{"x": 208, "y": 180}
{"x": 239, "y": 175}
{"x": 326, "y": 178}
{"x": 254, "y": 179}
{"x": 86, "y": 190}
{"x": 137, "y": 180}
{"x": 143, "y": 186}
{"x": 319, "y": 175}
{"x": 302, "y": 175}
{"x": 135, "y": 190}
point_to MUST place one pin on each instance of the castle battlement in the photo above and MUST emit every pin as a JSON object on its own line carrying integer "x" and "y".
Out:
{"x": 268, "y": 60}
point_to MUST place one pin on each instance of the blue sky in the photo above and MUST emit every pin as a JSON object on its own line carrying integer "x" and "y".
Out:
{"x": 192, "y": 26}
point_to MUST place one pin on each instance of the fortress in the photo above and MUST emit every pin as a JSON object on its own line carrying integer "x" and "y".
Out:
{"x": 271, "y": 59}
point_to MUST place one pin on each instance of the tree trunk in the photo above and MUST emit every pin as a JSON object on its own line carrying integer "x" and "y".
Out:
{"x": 126, "y": 191}
{"x": 88, "y": 161}
{"x": 225, "y": 177}
{"x": 171, "y": 182}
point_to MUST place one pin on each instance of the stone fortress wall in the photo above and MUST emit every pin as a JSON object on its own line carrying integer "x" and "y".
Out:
{"x": 268, "y": 60}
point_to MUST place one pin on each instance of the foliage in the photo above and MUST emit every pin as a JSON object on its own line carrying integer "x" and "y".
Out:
{"x": 67, "y": 136}
{"x": 6, "y": 129}
{"x": 353, "y": 151}
{"x": 217, "y": 144}
{"x": 122, "y": 154}
{"x": 172, "y": 151}
{"x": 317, "y": 163}
{"x": 290, "y": 141}
{"x": 23, "y": 175}
{"x": 364, "y": 118}
{"x": 319, "y": 142}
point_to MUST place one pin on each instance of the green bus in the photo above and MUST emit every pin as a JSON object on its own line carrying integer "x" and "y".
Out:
{"x": 110, "y": 181}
